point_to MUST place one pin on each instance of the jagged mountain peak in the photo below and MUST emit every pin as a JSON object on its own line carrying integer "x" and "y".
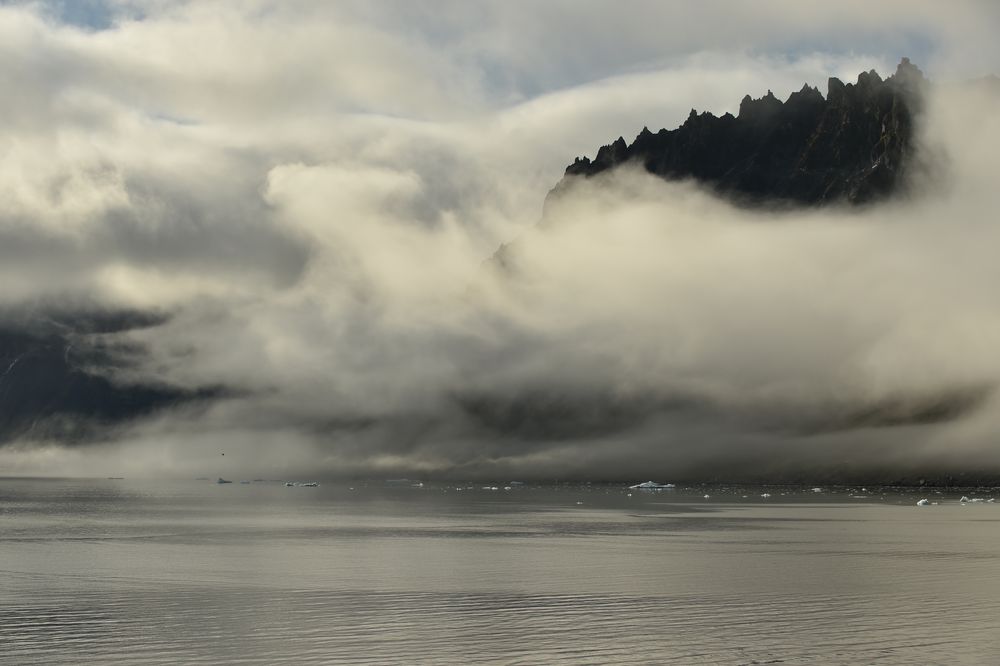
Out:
{"x": 851, "y": 146}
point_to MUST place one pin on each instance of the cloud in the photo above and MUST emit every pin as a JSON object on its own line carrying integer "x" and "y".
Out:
{"x": 311, "y": 192}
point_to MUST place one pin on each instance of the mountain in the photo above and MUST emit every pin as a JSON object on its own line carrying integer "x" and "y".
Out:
{"x": 852, "y": 146}
{"x": 55, "y": 375}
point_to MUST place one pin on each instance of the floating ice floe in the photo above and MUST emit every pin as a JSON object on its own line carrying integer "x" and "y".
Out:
{"x": 817, "y": 490}
{"x": 651, "y": 485}
{"x": 922, "y": 502}
{"x": 964, "y": 499}
{"x": 765, "y": 495}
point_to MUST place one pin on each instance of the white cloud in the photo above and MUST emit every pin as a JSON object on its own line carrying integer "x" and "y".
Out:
{"x": 313, "y": 188}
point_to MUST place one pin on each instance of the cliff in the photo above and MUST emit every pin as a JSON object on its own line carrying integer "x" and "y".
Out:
{"x": 851, "y": 146}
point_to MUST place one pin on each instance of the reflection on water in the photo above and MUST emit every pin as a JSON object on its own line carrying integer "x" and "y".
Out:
{"x": 191, "y": 572}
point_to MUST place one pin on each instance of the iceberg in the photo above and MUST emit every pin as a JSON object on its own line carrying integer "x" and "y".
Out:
{"x": 651, "y": 485}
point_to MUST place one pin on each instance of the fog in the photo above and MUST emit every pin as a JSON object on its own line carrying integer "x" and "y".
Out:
{"x": 311, "y": 195}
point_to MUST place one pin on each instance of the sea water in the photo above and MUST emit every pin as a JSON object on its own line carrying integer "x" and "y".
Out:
{"x": 188, "y": 572}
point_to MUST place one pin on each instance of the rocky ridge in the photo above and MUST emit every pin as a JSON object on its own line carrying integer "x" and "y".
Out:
{"x": 853, "y": 146}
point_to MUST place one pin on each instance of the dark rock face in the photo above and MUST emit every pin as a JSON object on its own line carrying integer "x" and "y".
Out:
{"x": 853, "y": 146}
{"x": 54, "y": 382}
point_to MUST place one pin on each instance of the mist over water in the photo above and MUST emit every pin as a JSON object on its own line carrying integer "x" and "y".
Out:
{"x": 323, "y": 264}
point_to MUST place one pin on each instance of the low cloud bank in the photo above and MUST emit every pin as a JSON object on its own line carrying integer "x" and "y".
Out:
{"x": 323, "y": 255}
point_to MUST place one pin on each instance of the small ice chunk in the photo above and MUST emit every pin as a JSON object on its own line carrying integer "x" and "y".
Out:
{"x": 922, "y": 502}
{"x": 964, "y": 499}
{"x": 650, "y": 485}
{"x": 706, "y": 496}
{"x": 765, "y": 495}
{"x": 817, "y": 490}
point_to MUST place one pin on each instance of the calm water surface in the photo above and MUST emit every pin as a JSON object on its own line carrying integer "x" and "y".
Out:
{"x": 121, "y": 571}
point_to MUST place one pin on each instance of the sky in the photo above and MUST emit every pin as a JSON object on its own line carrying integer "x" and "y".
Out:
{"x": 310, "y": 192}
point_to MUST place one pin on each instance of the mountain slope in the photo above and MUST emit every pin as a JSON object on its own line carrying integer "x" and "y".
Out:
{"x": 55, "y": 376}
{"x": 851, "y": 146}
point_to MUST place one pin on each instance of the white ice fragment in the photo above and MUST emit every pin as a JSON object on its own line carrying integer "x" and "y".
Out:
{"x": 922, "y": 502}
{"x": 650, "y": 485}
{"x": 765, "y": 495}
{"x": 817, "y": 490}
{"x": 964, "y": 499}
